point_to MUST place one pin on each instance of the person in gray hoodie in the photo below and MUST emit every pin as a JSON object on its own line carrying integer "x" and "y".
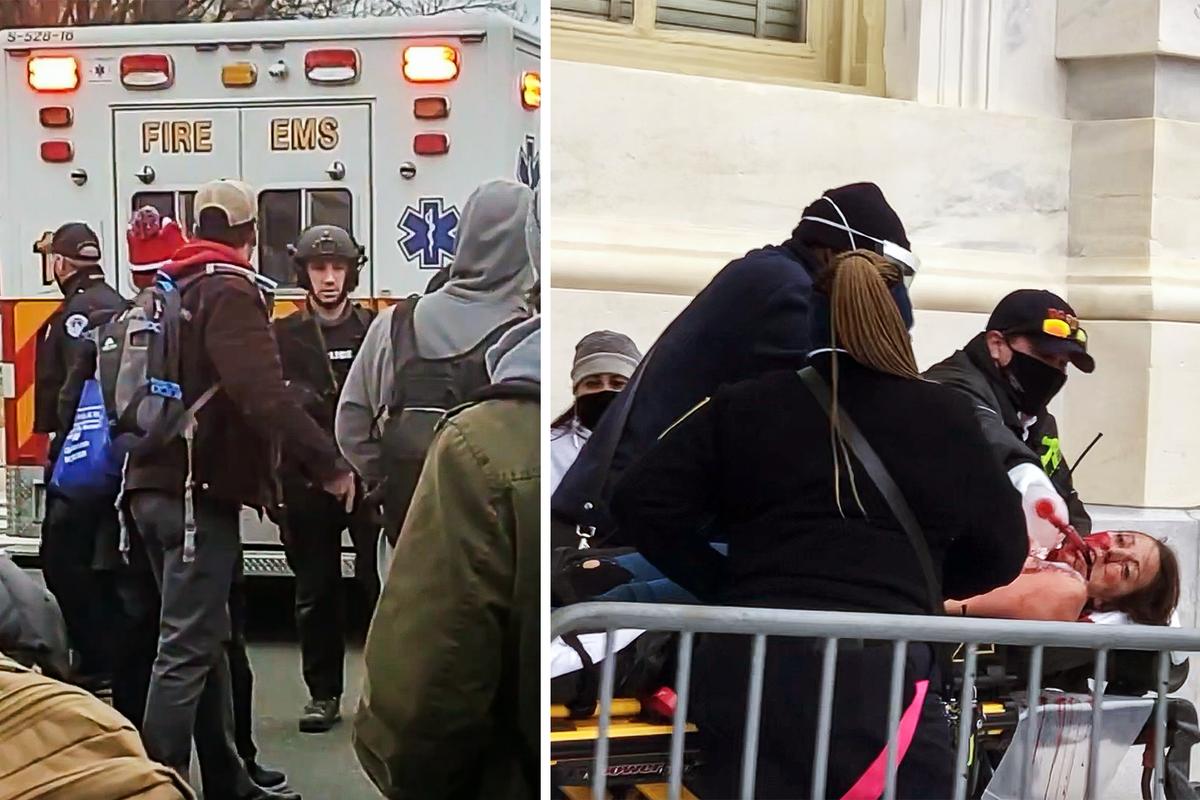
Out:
{"x": 426, "y": 355}
{"x": 451, "y": 698}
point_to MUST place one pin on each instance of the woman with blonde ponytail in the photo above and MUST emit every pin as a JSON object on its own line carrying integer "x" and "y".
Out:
{"x": 765, "y": 467}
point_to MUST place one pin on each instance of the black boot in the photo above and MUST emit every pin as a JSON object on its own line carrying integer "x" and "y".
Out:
{"x": 267, "y": 778}
{"x": 321, "y": 715}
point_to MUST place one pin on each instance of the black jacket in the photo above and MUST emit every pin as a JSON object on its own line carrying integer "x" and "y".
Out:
{"x": 316, "y": 356}
{"x": 756, "y": 460}
{"x": 87, "y": 300}
{"x": 972, "y": 371}
{"x": 753, "y": 317}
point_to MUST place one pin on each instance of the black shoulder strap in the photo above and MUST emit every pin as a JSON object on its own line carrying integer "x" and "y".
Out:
{"x": 883, "y": 482}
{"x": 404, "y": 345}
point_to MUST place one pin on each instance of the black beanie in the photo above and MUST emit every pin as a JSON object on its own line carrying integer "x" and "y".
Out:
{"x": 866, "y": 210}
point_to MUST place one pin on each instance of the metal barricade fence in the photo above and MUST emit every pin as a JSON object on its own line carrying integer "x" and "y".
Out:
{"x": 760, "y": 623}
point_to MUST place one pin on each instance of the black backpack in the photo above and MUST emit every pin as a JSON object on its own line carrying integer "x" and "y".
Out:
{"x": 423, "y": 391}
{"x": 139, "y": 363}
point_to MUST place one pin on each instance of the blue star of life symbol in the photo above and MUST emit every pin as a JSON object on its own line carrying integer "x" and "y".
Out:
{"x": 430, "y": 229}
{"x": 529, "y": 170}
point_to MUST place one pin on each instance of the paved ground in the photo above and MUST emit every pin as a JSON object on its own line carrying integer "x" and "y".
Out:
{"x": 319, "y": 766}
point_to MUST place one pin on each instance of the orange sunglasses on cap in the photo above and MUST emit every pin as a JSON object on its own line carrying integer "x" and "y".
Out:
{"x": 1065, "y": 327}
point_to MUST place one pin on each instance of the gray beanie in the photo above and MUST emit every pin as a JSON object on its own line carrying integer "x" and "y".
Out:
{"x": 604, "y": 352}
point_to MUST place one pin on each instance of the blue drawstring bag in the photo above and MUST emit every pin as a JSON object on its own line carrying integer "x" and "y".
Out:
{"x": 88, "y": 465}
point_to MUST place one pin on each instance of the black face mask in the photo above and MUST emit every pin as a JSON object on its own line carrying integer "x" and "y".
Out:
{"x": 590, "y": 407}
{"x": 1034, "y": 382}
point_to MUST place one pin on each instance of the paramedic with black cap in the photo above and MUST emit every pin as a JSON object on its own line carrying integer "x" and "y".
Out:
{"x": 74, "y": 530}
{"x": 317, "y": 344}
{"x": 753, "y": 317}
{"x": 1011, "y": 371}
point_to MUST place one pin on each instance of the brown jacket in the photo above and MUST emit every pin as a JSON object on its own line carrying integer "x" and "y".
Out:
{"x": 241, "y": 430}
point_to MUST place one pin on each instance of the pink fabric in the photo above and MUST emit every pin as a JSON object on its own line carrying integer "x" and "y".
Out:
{"x": 871, "y": 783}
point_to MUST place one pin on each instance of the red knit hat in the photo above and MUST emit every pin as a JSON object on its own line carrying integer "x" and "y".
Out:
{"x": 153, "y": 239}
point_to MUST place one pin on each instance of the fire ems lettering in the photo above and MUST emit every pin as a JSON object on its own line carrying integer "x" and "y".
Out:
{"x": 177, "y": 136}
{"x": 304, "y": 133}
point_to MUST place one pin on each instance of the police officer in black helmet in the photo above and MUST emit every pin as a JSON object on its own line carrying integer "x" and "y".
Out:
{"x": 317, "y": 345}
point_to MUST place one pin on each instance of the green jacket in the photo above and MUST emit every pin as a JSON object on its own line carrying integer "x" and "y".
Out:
{"x": 450, "y": 703}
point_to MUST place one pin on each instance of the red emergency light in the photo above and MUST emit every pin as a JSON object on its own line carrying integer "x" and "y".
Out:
{"x": 56, "y": 116}
{"x": 57, "y": 151}
{"x": 331, "y": 66}
{"x": 431, "y": 107}
{"x": 147, "y": 71}
{"x": 53, "y": 73}
{"x": 436, "y": 64}
{"x": 431, "y": 144}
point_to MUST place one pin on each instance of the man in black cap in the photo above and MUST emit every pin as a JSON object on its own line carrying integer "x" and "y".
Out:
{"x": 1011, "y": 371}
{"x": 753, "y": 317}
{"x": 74, "y": 532}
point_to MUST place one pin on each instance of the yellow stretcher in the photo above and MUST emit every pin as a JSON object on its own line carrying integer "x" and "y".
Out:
{"x": 640, "y": 749}
{"x": 638, "y": 760}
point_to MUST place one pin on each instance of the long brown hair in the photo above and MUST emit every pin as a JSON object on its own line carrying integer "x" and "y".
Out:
{"x": 1154, "y": 603}
{"x": 864, "y": 321}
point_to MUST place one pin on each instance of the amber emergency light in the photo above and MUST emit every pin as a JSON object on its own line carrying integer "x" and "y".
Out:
{"x": 53, "y": 73}
{"x": 531, "y": 90}
{"x": 430, "y": 64}
{"x": 239, "y": 74}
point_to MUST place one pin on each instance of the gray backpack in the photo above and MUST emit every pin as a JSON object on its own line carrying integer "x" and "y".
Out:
{"x": 139, "y": 363}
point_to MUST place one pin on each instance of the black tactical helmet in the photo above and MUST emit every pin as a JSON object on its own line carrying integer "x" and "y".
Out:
{"x": 327, "y": 241}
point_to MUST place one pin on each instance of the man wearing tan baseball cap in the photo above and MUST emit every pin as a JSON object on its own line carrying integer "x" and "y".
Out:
{"x": 230, "y": 368}
{"x": 234, "y": 199}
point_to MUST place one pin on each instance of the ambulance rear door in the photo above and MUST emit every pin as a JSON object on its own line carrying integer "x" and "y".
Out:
{"x": 310, "y": 164}
{"x": 163, "y": 155}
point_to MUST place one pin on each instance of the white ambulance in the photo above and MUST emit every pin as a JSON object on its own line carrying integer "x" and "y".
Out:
{"x": 381, "y": 125}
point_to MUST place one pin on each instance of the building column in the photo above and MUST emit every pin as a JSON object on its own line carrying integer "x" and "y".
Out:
{"x": 1134, "y": 245}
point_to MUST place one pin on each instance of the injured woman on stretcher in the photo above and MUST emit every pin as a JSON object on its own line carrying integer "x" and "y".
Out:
{"x": 1118, "y": 576}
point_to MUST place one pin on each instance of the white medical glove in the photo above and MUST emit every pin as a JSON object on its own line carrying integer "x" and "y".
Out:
{"x": 1037, "y": 491}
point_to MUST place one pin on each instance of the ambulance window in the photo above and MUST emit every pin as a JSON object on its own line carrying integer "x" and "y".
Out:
{"x": 177, "y": 206}
{"x": 330, "y": 207}
{"x": 279, "y": 224}
{"x": 186, "y": 209}
{"x": 163, "y": 201}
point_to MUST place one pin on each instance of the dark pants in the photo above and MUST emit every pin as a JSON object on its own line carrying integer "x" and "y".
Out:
{"x": 138, "y": 626}
{"x": 313, "y": 543}
{"x": 190, "y": 685}
{"x": 791, "y": 689}
{"x": 137, "y": 630}
{"x": 86, "y": 596}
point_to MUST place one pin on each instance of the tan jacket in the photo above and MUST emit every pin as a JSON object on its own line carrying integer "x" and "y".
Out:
{"x": 58, "y": 742}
